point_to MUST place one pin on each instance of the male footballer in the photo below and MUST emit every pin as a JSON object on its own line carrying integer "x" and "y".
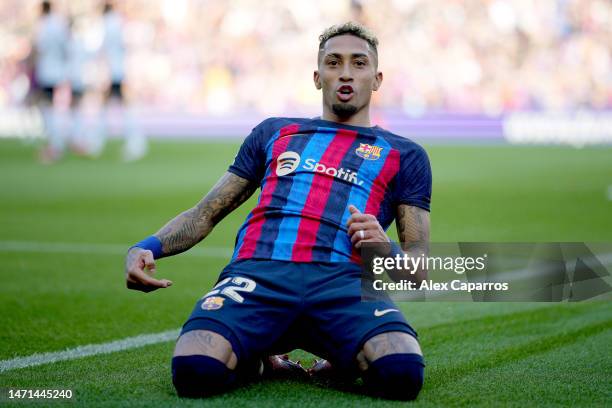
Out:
{"x": 328, "y": 185}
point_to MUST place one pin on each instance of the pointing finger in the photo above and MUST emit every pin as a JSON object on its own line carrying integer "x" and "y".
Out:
{"x": 155, "y": 283}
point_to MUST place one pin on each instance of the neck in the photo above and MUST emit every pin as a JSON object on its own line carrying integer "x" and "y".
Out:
{"x": 360, "y": 118}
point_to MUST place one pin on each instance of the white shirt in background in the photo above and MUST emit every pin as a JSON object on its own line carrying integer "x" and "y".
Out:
{"x": 113, "y": 45}
{"x": 51, "y": 41}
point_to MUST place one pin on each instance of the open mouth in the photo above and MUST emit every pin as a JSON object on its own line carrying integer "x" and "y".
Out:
{"x": 345, "y": 93}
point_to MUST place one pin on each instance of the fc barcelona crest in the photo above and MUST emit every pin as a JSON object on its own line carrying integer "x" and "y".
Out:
{"x": 213, "y": 303}
{"x": 368, "y": 152}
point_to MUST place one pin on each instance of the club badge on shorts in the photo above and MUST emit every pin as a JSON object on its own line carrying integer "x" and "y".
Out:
{"x": 213, "y": 303}
{"x": 368, "y": 152}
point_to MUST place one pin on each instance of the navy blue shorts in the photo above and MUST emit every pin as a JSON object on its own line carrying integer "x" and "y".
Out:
{"x": 116, "y": 90}
{"x": 273, "y": 307}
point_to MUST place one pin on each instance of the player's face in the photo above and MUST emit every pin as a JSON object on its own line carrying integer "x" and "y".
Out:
{"x": 347, "y": 75}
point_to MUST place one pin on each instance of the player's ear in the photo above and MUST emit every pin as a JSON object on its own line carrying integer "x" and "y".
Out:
{"x": 377, "y": 81}
{"x": 317, "y": 79}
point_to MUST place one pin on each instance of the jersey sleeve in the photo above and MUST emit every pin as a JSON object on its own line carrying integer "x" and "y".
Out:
{"x": 414, "y": 180}
{"x": 250, "y": 161}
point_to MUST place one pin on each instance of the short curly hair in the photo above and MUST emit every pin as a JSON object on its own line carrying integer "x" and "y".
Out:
{"x": 352, "y": 28}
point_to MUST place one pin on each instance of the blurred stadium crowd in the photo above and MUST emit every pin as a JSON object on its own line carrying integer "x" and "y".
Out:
{"x": 218, "y": 57}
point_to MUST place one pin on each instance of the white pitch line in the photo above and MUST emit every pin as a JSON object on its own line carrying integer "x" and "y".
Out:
{"x": 88, "y": 350}
{"x": 106, "y": 249}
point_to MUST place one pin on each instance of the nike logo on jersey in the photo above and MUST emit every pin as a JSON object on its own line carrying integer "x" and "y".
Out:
{"x": 379, "y": 313}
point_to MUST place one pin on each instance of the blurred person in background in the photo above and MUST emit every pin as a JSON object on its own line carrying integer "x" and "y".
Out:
{"x": 78, "y": 58}
{"x": 115, "y": 102}
{"x": 50, "y": 42}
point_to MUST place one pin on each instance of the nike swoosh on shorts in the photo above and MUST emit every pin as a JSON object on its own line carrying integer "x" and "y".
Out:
{"x": 379, "y": 313}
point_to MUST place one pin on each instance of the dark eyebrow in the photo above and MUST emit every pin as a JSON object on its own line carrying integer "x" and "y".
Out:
{"x": 336, "y": 55}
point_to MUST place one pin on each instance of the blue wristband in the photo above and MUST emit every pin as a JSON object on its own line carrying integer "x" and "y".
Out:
{"x": 151, "y": 243}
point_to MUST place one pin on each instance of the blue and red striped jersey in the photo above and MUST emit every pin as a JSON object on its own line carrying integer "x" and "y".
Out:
{"x": 309, "y": 171}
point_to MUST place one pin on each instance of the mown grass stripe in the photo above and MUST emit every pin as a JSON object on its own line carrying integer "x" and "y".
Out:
{"x": 528, "y": 333}
{"x": 520, "y": 351}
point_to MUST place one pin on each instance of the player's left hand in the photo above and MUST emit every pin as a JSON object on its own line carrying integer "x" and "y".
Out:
{"x": 365, "y": 228}
{"x": 139, "y": 270}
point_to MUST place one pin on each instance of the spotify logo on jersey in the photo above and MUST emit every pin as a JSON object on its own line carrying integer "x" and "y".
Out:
{"x": 286, "y": 163}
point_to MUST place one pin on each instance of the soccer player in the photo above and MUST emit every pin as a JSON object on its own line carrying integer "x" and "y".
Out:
{"x": 49, "y": 73}
{"x": 78, "y": 57}
{"x": 328, "y": 185}
{"x": 113, "y": 48}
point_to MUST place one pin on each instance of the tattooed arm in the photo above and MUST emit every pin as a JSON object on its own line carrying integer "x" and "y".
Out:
{"x": 187, "y": 229}
{"x": 413, "y": 232}
{"x": 193, "y": 225}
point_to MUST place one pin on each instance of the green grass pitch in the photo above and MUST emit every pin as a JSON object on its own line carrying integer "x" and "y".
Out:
{"x": 478, "y": 354}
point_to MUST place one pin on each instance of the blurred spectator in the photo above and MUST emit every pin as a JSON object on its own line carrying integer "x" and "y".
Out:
{"x": 464, "y": 56}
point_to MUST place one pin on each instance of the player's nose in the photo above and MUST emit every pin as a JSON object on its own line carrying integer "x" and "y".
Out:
{"x": 346, "y": 74}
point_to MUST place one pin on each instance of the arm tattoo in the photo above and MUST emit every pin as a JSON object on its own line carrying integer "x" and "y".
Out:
{"x": 193, "y": 225}
{"x": 413, "y": 231}
{"x": 412, "y": 224}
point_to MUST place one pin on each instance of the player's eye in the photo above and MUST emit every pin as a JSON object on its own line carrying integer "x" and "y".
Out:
{"x": 333, "y": 63}
{"x": 360, "y": 63}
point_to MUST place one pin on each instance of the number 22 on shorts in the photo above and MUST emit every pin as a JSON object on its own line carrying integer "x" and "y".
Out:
{"x": 240, "y": 284}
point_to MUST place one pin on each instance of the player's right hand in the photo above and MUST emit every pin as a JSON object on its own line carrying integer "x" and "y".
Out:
{"x": 139, "y": 270}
